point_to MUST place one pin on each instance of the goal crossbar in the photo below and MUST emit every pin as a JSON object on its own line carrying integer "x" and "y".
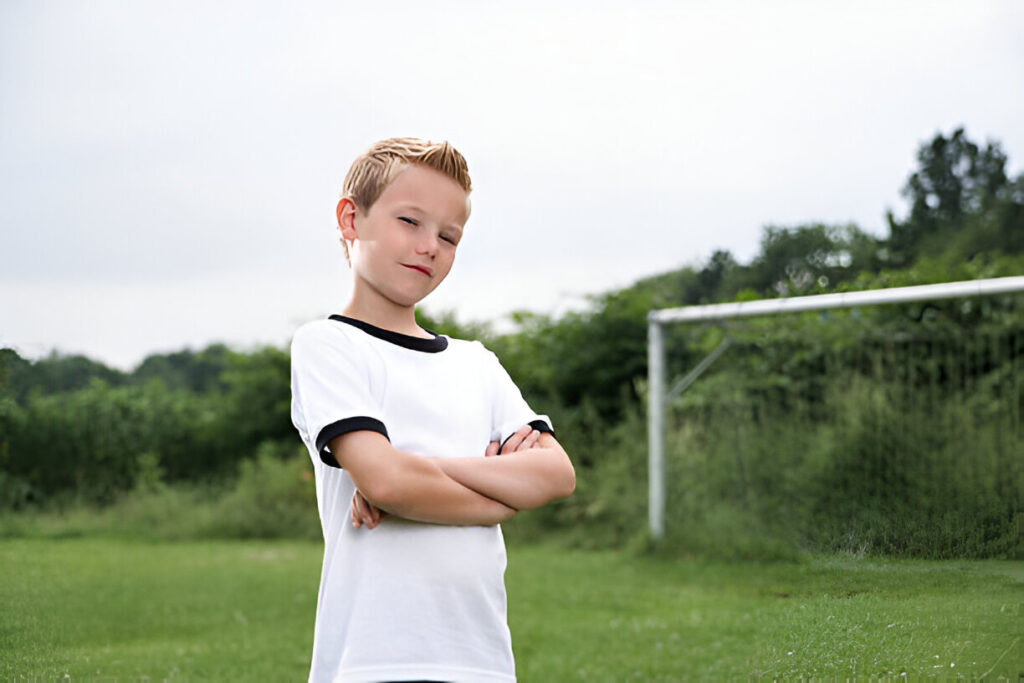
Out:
{"x": 818, "y": 302}
{"x": 657, "y": 397}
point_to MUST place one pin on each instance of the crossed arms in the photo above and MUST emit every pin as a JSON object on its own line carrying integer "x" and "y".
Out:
{"x": 531, "y": 471}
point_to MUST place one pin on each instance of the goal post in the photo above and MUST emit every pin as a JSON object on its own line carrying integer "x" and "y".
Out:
{"x": 659, "y": 397}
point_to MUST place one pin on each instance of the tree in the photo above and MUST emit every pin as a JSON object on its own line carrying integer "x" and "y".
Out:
{"x": 199, "y": 372}
{"x": 958, "y": 186}
{"x": 711, "y": 280}
{"x": 54, "y": 374}
{"x": 808, "y": 258}
{"x": 256, "y": 404}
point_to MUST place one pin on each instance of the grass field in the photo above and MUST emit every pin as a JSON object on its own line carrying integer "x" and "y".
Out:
{"x": 105, "y": 609}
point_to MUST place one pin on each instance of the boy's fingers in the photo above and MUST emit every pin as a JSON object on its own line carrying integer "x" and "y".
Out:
{"x": 362, "y": 512}
{"x": 492, "y": 449}
{"x": 516, "y": 440}
{"x": 361, "y": 509}
{"x": 365, "y": 513}
{"x": 530, "y": 441}
{"x": 355, "y": 511}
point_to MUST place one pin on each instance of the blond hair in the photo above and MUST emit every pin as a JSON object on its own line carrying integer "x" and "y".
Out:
{"x": 377, "y": 167}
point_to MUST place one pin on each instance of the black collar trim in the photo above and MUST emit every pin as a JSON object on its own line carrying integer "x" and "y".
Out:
{"x": 435, "y": 345}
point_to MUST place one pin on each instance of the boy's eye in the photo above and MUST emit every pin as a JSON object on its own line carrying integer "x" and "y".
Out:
{"x": 406, "y": 219}
{"x": 449, "y": 239}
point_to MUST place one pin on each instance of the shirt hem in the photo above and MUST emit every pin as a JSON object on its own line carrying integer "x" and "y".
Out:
{"x": 376, "y": 674}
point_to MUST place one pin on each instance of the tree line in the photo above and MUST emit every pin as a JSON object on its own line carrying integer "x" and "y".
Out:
{"x": 73, "y": 428}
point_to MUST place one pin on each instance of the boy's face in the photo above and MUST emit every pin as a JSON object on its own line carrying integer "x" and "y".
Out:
{"x": 404, "y": 246}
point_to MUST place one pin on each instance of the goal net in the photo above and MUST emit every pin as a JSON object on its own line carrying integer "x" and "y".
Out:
{"x": 885, "y": 421}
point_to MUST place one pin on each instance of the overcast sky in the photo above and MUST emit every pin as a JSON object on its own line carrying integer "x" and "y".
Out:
{"x": 170, "y": 170}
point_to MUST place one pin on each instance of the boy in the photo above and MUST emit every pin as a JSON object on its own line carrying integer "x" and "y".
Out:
{"x": 399, "y": 422}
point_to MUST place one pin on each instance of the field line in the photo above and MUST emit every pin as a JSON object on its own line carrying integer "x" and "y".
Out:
{"x": 1000, "y": 657}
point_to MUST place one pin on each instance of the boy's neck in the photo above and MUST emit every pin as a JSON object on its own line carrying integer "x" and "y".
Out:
{"x": 398, "y": 319}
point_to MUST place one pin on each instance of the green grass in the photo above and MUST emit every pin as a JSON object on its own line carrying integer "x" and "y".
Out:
{"x": 93, "y": 608}
{"x": 116, "y": 609}
{"x": 608, "y": 617}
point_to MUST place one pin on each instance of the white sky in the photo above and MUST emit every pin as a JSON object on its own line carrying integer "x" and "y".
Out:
{"x": 169, "y": 170}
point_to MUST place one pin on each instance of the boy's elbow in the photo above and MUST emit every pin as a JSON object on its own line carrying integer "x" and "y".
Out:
{"x": 566, "y": 480}
{"x": 563, "y": 474}
{"x": 570, "y": 481}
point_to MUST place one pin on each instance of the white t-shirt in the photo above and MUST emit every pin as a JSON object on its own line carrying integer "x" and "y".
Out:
{"x": 406, "y": 600}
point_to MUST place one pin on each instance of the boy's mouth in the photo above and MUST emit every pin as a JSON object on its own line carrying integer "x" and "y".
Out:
{"x": 423, "y": 269}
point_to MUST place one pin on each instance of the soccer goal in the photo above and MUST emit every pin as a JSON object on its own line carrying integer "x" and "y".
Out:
{"x": 907, "y": 399}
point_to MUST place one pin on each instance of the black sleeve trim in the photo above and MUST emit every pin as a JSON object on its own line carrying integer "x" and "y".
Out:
{"x": 540, "y": 425}
{"x": 349, "y": 424}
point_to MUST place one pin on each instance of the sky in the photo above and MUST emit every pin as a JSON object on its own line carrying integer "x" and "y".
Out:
{"x": 170, "y": 170}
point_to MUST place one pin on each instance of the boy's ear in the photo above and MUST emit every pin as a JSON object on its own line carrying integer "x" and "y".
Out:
{"x": 346, "y": 212}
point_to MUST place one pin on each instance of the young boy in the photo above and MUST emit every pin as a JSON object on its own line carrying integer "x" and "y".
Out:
{"x": 399, "y": 422}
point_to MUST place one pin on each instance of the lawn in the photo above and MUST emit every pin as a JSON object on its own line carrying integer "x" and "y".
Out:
{"x": 106, "y": 609}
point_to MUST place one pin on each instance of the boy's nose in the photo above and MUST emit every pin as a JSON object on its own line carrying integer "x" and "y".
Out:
{"x": 428, "y": 243}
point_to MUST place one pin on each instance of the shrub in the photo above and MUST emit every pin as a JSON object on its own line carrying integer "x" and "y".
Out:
{"x": 273, "y": 497}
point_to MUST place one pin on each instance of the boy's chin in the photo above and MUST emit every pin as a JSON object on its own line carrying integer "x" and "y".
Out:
{"x": 411, "y": 300}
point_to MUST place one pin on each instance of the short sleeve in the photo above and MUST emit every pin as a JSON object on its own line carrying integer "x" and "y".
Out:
{"x": 509, "y": 410}
{"x": 332, "y": 389}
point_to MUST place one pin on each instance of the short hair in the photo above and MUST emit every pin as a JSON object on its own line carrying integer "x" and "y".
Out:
{"x": 377, "y": 167}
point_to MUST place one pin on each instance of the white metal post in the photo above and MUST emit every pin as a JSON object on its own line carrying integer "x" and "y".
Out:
{"x": 655, "y": 428}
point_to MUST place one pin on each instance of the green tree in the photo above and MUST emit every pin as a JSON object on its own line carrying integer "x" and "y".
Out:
{"x": 959, "y": 194}
{"x": 713, "y": 278}
{"x": 256, "y": 404}
{"x": 55, "y": 373}
{"x": 808, "y": 258}
{"x": 199, "y": 372}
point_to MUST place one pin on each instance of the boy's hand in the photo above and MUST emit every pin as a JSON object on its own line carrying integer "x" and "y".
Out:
{"x": 364, "y": 513}
{"x": 523, "y": 439}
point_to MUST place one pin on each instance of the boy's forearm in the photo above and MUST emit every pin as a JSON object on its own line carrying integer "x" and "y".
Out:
{"x": 419, "y": 490}
{"x": 523, "y": 480}
{"x": 458, "y": 507}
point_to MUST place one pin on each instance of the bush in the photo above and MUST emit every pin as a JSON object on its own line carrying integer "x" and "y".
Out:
{"x": 274, "y": 497}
